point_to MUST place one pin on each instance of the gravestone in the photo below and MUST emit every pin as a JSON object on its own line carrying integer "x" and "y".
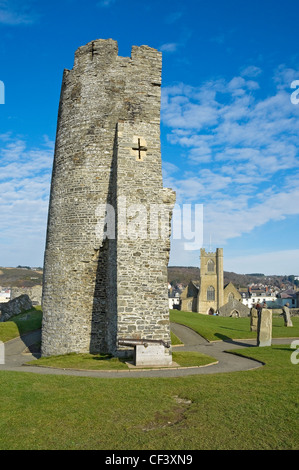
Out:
{"x": 264, "y": 328}
{"x": 253, "y": 319}
{"x": 287, "y": 316}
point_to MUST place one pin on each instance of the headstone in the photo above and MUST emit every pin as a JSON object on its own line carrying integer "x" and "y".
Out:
{"x": 264, "y": 329}
{"x": 253, "y": 319}
{"x": 287, "y": 316}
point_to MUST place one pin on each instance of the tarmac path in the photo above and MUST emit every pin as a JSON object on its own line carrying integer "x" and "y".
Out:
{"x": 15, "y": 357}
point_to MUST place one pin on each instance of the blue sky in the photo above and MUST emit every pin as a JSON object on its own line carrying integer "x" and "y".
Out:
{"x": 229, "y": 129}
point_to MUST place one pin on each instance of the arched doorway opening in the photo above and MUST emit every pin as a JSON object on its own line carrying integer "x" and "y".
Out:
{"x": 235, "y": 314}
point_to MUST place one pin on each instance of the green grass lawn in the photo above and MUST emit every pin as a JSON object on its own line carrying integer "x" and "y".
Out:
{"x": 256, "y": 409}
{"x": 215, "y": 328}
{"x": 21, "y": 324}
{"x": 106, "y": 362}
{"x": 175, "y": 341}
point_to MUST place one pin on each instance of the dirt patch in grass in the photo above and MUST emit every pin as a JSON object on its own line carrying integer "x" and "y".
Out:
{"x": 170, "y": 418}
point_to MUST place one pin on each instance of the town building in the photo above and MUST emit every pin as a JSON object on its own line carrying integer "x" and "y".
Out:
{"x": 4, "y": 296}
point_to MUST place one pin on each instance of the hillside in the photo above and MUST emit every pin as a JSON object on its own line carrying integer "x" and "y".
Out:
{"x": 26, "y": 277}
{"x": 183, "y": 275}
{"x": 20, "y": 277}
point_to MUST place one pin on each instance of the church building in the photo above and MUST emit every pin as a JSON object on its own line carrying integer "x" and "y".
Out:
{"x": 209, "y": 295}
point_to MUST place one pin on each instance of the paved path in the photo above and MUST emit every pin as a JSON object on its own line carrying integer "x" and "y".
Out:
{"x": 15, "y": 357}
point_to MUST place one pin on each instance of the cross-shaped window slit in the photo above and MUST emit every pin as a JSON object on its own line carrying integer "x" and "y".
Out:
{"x": 140, "y": 148}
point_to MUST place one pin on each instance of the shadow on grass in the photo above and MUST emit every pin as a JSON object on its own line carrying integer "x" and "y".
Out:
{"x": 227, "y": 339}
{"x": 27, "y": 321}
{"x": 108, "y": 357}
{"x": 288, "y": 350}
{"x": 32, "y": 343}
{"x": 230, "y": 328}
{"x": 102, "y": 357}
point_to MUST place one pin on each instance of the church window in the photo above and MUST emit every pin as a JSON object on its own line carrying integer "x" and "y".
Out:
{"x": 210, "y": 266}
{"x": 231, "y": 296}
{"x": 211, "y": 293}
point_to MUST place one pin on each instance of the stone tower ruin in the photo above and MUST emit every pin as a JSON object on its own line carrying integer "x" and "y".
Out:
{"x": 98, "y": 289}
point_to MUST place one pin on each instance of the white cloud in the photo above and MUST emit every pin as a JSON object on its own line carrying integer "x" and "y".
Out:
{"x": 169, "y": 47}
{"x": 24, "y": 191}
{"x": 185, "y": 108}
{"x": 173, "y": 17}
{"x": 284, "y": 77}
{"x": 251, "y": 71}
{"x": 168, "y": 169}
{"x": 240, "y": 151}
{"x": 15, "y": 12}
{"x": 105, "y": 3}
{"x": 235, "y": 216}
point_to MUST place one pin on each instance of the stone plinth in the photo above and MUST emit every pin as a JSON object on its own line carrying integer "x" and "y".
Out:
{"x": 264, "y": 330}
{"x": 151, "y": 355}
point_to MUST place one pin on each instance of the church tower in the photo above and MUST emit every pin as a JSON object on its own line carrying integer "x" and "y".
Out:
{"x": 210, "y": 297}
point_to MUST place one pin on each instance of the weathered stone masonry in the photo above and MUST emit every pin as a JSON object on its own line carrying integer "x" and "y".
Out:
{"x": 96, "y": 291}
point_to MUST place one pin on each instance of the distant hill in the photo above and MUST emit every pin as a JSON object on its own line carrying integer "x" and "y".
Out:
{"x": 183, "y": 275}
{"x": 28, "y": 277}
{"x": 20, "y": 277}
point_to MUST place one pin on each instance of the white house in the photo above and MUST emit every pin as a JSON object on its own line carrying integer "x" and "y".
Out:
{"x": 254, "y": 299}
{"x": 174, "y": 301}
{"x": 275, "y": 300}
{"x": 4, "y": 296}
{"x": 173, "y": 297}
